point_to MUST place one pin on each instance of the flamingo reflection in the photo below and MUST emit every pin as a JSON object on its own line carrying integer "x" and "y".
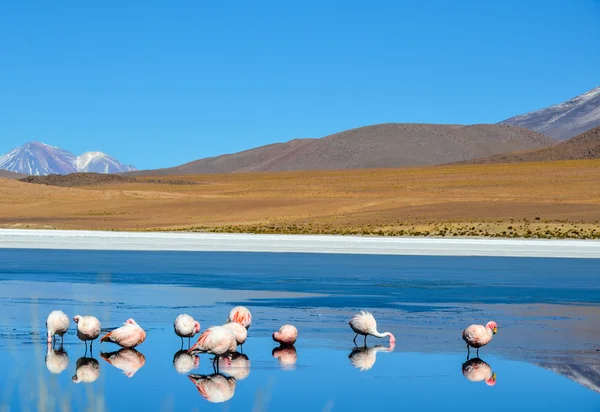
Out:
{"x": 56, "y": 360}
{"x": 184, "y": 362}
{"x": 364, "y": 357}
{"x": 87, "y": 370}
{"x": 476, "y": 370}
{"x": 126, "y": 359}
{"x": 235, "y": 364}
{"x": 215, "y": 388}
{"x": 286, "y": 355}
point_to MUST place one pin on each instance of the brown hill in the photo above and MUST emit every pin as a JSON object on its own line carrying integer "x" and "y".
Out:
{"x": 94, "y": 179}
{"x": 583, "y": 146}
{"x": 377, "y": 146}
{"x": 11, "y": 175}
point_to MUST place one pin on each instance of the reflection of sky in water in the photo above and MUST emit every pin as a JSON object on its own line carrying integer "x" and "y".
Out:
{"x": 323, "y": 378}
{"x": 424, "y": 301}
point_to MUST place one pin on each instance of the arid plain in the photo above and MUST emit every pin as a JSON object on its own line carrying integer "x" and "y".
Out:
{"x": 540, "y": 200}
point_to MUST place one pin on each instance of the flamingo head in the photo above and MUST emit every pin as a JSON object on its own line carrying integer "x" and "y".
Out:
{"x": 276, "y": 336}
{"x": 76, "y": 318}
{"x": 197, "y": 327}
{"x": 130, "y": 321}
{"x": 493, "y": 326}
{"x": 392, "y": 339}
{"x": 491, "y": 381}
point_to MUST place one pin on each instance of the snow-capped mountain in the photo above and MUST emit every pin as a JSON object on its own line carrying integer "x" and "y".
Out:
{"x": 35, "y": 158}
{"x": 565, "y": 120}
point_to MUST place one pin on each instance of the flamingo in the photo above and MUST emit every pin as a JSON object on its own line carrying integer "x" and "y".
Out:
{"x": 186, "y": 327}
{"x": 216, "y": 340}
{"x": 127, "y": 359}
{"x": 240, "y": 315}
{"x": 88, "y": 328}
{"x": 56, "y": 360}
{"x": 364, "y": 323}
{"x": 215, "y": 388}
{"x": 235, "y": 364}
{"x": 240, "y": 332}
{"x": 87, "y": 370}
{"x": 364, "y": 358}
{"x": 477, "y": 336}
{"x": 183, "y": 362}
{"x": 57, "y": 323}
{"x": 287, "y": 356}
{"x": 129, "y": 335}
{"x": 476, "y": 370}
{"x": 286, "y": 335}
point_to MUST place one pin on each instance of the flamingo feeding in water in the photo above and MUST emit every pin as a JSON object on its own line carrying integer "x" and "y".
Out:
{"x": 88, "y": 328}
{"x": 186, "y": 327}
{"x": 240, "y": 332}
{"x": 240, "y": 315}
{"x": 476, "y": 370}
{"x": 364, "y": 323}
{"x": 127, "y": 359}
{"x": 477, "y": 336}
{"x": 87, "y": 370}
{"x": 215, "y": 388}
{"x": 364, "y": 358}
{"x": 56, "y": 360}
{"x": 216, "y": 340}
{"x": 57, "y": 323}
{"x": 286, "y": 335}
{"x": 129, "y": 335}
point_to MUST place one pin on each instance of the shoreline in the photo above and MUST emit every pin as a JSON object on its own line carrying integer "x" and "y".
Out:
{"x": 334, "y": 244}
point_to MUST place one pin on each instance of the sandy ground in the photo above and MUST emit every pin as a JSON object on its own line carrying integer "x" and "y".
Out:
{"x": 98, "y": 240}
{"x": 533, "y": 200}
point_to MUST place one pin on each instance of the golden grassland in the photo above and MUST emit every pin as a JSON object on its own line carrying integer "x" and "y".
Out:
{"x": 540, "y": 200}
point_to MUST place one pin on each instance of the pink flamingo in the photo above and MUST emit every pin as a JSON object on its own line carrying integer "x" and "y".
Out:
{"x": 88, "y": 328}
{"x": 287, "y": 356}
{"x": 235, "y": 364}
{"x": 477, "y": 370}
{"x": 286, "y": 335}
{"x": 57, "y": 323}
{"x": 216, "y": 340}
{"x": 240, "y": 332}
{"x": 129, "y": 335}
{"x": 477, "y": 336}
{"x": 240, "y": 315}
{"x": 215, "y": 388}
{"x": 127, "y": 359}
{"x": 183, "y": 362}
{"x": 186, "y": 327}
{"x": 364, "y": 323}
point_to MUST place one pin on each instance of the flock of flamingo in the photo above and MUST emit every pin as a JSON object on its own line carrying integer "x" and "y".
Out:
{"x": 223, "y": 342}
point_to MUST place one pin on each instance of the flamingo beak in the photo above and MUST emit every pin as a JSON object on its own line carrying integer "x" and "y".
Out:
{"x": 495, "y": 330}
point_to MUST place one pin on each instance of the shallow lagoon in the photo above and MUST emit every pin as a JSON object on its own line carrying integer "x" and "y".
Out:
{"x": 544, "y": 356}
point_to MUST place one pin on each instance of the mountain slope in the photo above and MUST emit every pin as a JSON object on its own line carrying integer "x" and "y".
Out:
{"x": 35, "y": 158}
{"x": 565, "y": 120}
{"x": 377, "y": 146}
{"x": 583, "y": 146}
{"x": 11, "y": 175}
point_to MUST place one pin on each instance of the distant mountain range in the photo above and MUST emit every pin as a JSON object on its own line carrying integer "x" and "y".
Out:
{"x": 583, "y": 146}
{"x": 35, "y": 158}
{"x": 565, "y": 120}
{"x": 377, "y": 146}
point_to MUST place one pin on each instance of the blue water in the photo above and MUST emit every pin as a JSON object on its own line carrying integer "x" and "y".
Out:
{"x": 543, "y": 306}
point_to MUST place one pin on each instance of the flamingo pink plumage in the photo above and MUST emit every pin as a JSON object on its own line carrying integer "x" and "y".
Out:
{"x": 88, "y": 328}
{"x": 186, "y": 326}
{"x": 287, "y": 356}
{"x": 57, "y": 323}
{"x": 241, "y": 315}
{"x": 364, "y": 358}
{"x": 477, "y": 336}
{"x": 239, "y": 331}
{"x": 129, "y": 335}
{"x": 56, "y": 360}
{"x": 87, "y": 370}
{"x": 215, "y": 388}
{"x": 286, "y": 335}
{"x": 364, "y": 323}
{"x": 128, "y": 360}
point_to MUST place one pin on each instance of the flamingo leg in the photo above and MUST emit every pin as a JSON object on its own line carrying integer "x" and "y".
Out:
{"x": 365, "y": 341}
{"x": 355, "y": 336}
{"x": 86, "y": 349}
{"x": 189, "y": 342}
{"x": 91, "y": 345}
{"x": 477, "y": 352}
{"x": 62, "y": 340}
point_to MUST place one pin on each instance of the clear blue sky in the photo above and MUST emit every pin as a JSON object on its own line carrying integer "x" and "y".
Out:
{"x": 158, "y": 83}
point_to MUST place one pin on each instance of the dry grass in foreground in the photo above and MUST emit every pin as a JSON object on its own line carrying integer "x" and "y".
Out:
{"x": 539, "y": 200}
